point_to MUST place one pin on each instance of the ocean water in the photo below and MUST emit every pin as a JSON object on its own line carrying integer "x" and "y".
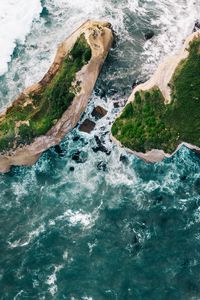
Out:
{"x": 109, "y": 226}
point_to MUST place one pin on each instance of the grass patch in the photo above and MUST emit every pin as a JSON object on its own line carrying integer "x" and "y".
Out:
{"x": 47, "y": 106}
{"x": 147, "y": 123}
{"x": 142, "y": 124}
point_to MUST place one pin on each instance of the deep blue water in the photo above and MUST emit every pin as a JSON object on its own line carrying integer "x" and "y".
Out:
{"x": 110, "y": 226}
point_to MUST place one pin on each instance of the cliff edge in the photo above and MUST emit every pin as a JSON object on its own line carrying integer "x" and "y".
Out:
{"x": 45, "y": 112}
{"x": 162, "y": 114}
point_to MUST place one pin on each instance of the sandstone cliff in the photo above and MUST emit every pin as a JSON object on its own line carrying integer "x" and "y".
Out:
{"x": 99, "y": 37}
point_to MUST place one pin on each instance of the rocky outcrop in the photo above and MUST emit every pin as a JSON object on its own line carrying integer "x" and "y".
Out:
{"x": 161, "y": 79}
{"x": 87, "y": 126}
{"x": 99, "y": 37}
{"x": 99, "y": 112}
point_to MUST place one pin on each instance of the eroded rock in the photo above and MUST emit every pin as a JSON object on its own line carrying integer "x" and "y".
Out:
{"x": 100, "y": 146}
{"x": 162, "y": 85}
{"x": 28, "y": 152}
{"x": 99, "y": 112}
{"x": 87, "y": 126}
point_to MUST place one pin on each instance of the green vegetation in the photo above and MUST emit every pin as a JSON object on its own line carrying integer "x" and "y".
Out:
{"x": 142, "y": 125}
{"x": 26, "y": 120}
{"x": 147, "y": 123}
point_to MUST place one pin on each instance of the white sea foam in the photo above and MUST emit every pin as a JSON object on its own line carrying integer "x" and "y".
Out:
{"x": 16, "y": 17}
{"x": 51, "y": 280}
{"x": 18, "y": 295}
{"x": 175, "y": 21}
{"x": 65, "y": 255}
{"x": 91, "y": 246}
{"x": 77, "y": 217}
{"x": 66, "y": 16}
{"x": 28, "y": 239}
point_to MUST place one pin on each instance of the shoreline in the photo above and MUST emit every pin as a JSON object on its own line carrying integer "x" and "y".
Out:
{"x": 99, "y": 37}
{"x": 155, "y": 155}
{"x": 161, "y": 78}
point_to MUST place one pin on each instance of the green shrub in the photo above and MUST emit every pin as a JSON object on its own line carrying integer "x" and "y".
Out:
{"x": 165, "y": 126}
{"x": 114, "y": 129}
{"x": 25, "y": 134}
{"x": 128, "y": 111}
{"x": 48, "y": 105}
{"x": 138, "y": 99}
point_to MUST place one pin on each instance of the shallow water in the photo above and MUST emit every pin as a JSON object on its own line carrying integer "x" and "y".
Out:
{"x": 115, "y": 227}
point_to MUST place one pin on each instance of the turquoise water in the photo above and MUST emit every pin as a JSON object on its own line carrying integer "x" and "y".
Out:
{"x": 109, "y": 226}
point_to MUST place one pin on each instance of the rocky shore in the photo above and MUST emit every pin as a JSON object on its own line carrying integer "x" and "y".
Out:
{"x": 99, "y": 37}
{"x": 161, "y": 80}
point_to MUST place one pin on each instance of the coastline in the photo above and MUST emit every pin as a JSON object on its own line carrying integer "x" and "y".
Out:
{"x": 161, "y": 78}
{"x": 99, "y": 37}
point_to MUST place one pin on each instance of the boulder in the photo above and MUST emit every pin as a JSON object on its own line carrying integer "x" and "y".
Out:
{"x": 87, "y": 126}
{"x": 99, "y": 112}
{"x": 148, "y": 34}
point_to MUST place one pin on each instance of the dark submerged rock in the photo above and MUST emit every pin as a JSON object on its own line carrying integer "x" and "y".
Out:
{"x": 58, "y": 150}
{"x": 72, "y": 169}
{"x": 87, "y": 126}
{"x": 123, "y": 159}
{"x": 183, "y": 177}
{"x": 116, "y": 104}
{"x": 148, "y": 34}
{"x": 100, "y": 146}
{"x": 79, "y": 157}
{"x": 99, "y": 112}
{"x": 76, "y": 138}
{"x": 100, "y": 92}
{"x": 196, "y": 26}
{"x": 44, "y": 12}
{"x": 158, "y": 199}
{"x": 101, "y": 166}
{"x": 137, "y": 82}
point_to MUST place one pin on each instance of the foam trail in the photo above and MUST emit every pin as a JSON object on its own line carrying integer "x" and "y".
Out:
{"x": 175, "y": 21}
{"x": 16, "y": 17}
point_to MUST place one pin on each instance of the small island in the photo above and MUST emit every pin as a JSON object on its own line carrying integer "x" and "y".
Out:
{"x": 44, "y": 113}
{"x": 164, "y": 113}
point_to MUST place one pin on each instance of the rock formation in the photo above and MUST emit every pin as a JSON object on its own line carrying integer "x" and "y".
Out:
{"x": 22, "y": 140}
{"x": 164, "y": 127}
